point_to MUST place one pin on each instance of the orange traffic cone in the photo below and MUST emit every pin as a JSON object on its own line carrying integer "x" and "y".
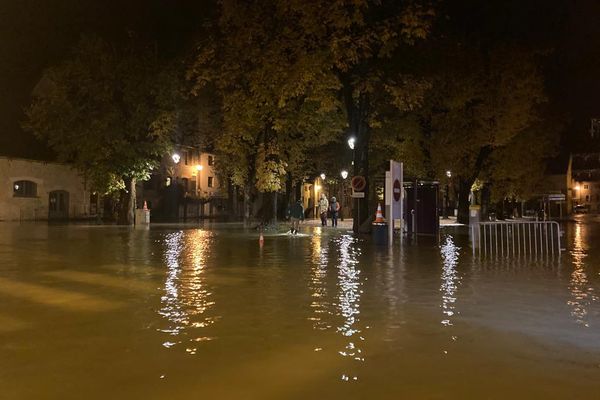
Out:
{"x": 145, "y": 206}
{"x": 378, "y": 215}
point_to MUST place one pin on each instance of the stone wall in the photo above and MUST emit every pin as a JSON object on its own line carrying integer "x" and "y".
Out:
{"x": 48, "y": 177}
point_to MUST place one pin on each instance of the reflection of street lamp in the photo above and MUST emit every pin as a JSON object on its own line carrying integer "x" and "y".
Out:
{"x": 176, "y": 157}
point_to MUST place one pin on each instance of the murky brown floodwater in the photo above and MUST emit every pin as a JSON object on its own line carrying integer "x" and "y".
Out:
{"x": 91, "y": 312}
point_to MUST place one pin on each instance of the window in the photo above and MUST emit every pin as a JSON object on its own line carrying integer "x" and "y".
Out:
{"x": 586, "y": 186}
{"x": 185, "y": 155}
{"x": 210, "y": 160}
{"x": 210, "y": 181}
{"x": 24, "y": 189}
{"x": 587, "y": 198}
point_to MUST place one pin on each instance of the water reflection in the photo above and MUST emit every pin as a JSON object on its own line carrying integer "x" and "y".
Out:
{"x": 187, "y": 297}
{"x": 348, "y": 305}
{"x": 582, "y": 293}
{"x": 318, "y": 282}
{"x": 450, "y": 279}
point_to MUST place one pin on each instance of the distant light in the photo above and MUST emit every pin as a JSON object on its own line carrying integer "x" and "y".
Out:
{"x": 16, "y": 187}
{"x": 449, "y": 174}
{"x": 577, "y": 187}
{"x": 317, "y": 187}
{"x": 199, "y": 167}
{"x": 322, "y": 175}
{"x": 344, "y": 174}
{"x": 176, "y": 157}
{"x": 351, "y": 142}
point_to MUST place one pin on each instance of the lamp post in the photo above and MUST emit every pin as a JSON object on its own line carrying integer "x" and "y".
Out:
{"x": 448, "y": 176}
{"x": 176, "y": 158}
{"x": 344, "y": 175}
{"x": 198, "y": 180}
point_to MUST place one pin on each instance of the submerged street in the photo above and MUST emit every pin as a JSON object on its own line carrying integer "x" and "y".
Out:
{"x": 180, "y": 311}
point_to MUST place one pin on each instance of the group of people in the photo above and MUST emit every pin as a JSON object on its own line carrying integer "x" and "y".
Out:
{"x": 296, "y": 212}
{"x": 325, "y": 207}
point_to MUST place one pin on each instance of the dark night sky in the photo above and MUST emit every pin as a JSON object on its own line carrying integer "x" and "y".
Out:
{"x": 36, "y": 33}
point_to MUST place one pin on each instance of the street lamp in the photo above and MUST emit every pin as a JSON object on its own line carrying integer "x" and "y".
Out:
{"x": 449, "y": 174}
{"x": 176, "y": 157}
{"x": 351, "y": 142}
{"x": 344, "y": 175}
{"x": 322, "y": 176}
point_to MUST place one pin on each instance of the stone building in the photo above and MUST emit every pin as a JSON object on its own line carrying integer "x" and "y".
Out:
{"x": 184, "y": 186}
{"x": 37, "y": 190}
{"x": 586, "y": 181}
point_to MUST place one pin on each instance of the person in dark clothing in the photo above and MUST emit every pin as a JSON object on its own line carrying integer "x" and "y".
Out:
{"x": 334, "y": 208}
{"x": 296, "y": 214}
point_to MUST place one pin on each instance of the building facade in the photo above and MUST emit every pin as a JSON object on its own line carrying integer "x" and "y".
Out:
{"x": 37, "y": 190}
{"x": 586, "y": 182}
{"x": 184, "y": 186}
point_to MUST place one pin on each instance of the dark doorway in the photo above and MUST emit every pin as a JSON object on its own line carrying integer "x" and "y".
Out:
{"x": 58, "y": 204}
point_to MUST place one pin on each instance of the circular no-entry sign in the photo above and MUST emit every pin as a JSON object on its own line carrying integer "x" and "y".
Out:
{"x": 359, "y": 183}
{"x": 397, "y": 189}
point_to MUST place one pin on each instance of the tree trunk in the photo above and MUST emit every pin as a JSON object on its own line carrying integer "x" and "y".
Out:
{"x": 357, "y": 113}
{"x": 464, "y": 189}
{"x": 127, "y": 200}
{"x": 247, "y": 205}
{"x": 485, "y": 203}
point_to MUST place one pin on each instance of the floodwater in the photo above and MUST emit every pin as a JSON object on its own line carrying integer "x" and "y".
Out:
{"x": 202, "y": 312}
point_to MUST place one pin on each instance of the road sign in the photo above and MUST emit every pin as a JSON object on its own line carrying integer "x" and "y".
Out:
{"x": 358, "y": 195}
{"x": 359, "y": 183}
{"x": 397, "y": 190}
{"x": 556, "y": 197}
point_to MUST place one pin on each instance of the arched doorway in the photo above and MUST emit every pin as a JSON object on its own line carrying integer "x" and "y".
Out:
{"x": 58, "y": 204}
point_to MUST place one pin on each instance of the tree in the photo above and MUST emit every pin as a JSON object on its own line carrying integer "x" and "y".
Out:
{"x": 282, "y": 64}
{"x": 110, "y": 112}
{"x": 483, "y": 104}
{"x": 277, "y": 101}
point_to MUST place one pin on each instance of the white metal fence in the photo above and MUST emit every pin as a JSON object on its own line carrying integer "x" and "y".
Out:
{"x": 516, "y": 239}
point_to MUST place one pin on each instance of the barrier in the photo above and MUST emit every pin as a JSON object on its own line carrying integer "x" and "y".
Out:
{"x": 516, "y": 238}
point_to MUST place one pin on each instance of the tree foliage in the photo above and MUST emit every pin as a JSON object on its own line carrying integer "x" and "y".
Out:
{"x": 110, "y": 112}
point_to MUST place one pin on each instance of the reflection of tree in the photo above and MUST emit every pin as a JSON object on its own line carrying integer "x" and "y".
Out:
{"x": 187, "y": 297}
{"x": 318, "y": 286}
{"x": 349, "y": 299}
{"x": 581, "y": 291}
{"x": 450, "y": 279}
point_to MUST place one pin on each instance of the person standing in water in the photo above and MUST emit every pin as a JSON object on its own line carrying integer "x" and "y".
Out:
{"x": 334, "y": 208}
{"x": 323, "y": 208}
{"x": 296, "y": 215}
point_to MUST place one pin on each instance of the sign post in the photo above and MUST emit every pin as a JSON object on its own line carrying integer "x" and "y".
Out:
{"x": 395, "y": 196}
{"x": 358, "y": 185}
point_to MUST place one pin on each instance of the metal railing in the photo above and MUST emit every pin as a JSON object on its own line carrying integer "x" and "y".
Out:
{"x": 516, "y": 238}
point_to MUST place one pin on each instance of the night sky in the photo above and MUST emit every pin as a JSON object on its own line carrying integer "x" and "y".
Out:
{"x": 35, "y": 34}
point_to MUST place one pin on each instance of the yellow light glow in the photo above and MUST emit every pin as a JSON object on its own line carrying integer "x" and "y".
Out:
{"x": 577, "y": 187}
{"x": 317, "y": 187}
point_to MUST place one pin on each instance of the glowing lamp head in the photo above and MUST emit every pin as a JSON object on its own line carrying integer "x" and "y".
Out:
{"x": 322, "y": 176}
{"x": 577, "y": 187}
{"x": 199, "y": 167}
{"x": 344, "y": 174}
{"x": 176, "y": 158}
{"x": 351, "y": 142}
{"x": 449, "y": 174}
